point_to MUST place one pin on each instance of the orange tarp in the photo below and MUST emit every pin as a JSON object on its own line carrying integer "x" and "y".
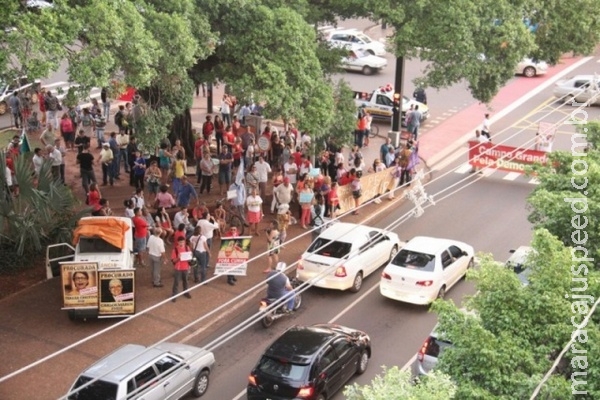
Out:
{"x": 109, "y": 229}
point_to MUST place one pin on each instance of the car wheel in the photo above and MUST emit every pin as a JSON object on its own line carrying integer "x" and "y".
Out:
{"x": 363, "y": 363}
{"x": 569, "y": 99}
{"x": 470, "y": 265}
{"x": 393, "y": 253}
{"x": 357, "y": 284}
{"x": 3, "y": 108}
{"x": 367, "y": 70}
{"x": 442, "y": 293}
{"x": 200, "y": 384}
{"x": 529, "y": 72}
{"x": 297, "y": 301}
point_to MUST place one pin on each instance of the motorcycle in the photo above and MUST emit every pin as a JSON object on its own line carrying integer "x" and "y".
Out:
{"x": 275, "y": 313}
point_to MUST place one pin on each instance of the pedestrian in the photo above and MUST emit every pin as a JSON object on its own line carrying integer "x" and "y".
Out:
{"x": 82, "y": 141}
{"x": 122, "y": 141}
{"x": 140, "y": 235}
{"x": 99, "y": 126}
{"x": 277, "y": 181}
{"x": 420, "y": 95}
{"x": 485, "y": 127}
{"x": 114, "y": 147}
{"x": 156, "y": 255}
{"x": 225, "y": 164}
{"x": 138, "y": 198}
{"x": 226, "y": 105}
{"x": 263, "y": 169}
{"x": 106, "y": 158}
{"x": 206, "y": 171}
{"x": 273, "y": 243}
{"x": 306, "y": 197}
{"x": 164, "y": 198}
{"x": 120, "y": 119}
{"x": 201, "y": 250}
{"x": 163, "y": 221}
{"x": 333, "y": 201}
{"x": 85, "y": 160}
{"x": 67, "y": 132}
{"x": 415, "y": 122}
{"x": 404, "y": 156}
{"x": 384, "y": 150}
{"x": 239, "y": 200}
{"x": 208, "y": 129}
{"x": 164, "y": 160}
{"x": 139, "y": 170}
{"x": 15, "y": 109}
{"x": 356, "y": 188}
{"x": 219, "y": 132}
{"x": 132, "y": 148}
{"x": 38, "y": 161}
{"x": 105, "y": 98}
{"x": 180, "y": 256}
{"x": 55, "y": 156}
{"x": 182, "y": 218}
{"x": 255, "y": 213}
{"x": 186, "y": 193}
{"x": 178, "y": 168}
{"x": 153, "y": 178}
{"x": 52, "y": 108}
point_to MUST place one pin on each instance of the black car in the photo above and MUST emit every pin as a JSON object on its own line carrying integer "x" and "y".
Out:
{"x": 309, "y": 362}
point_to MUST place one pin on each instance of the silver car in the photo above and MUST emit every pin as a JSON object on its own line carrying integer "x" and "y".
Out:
{"x": 531, "y": 68}
{"x": 580, "y": 89}
{"x": 167, "y": 371}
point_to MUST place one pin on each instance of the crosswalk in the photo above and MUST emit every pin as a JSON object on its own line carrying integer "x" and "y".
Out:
{"x": 465, "y": 169}
{"x": 61, "y": 88}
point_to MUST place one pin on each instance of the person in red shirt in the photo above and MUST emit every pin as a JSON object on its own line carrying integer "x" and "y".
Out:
{"x": 94, "y": 196}
{"x": 179, "y": 233}
{"x": 297, "y": 155}
{"x": 237, "y": 152}
{"x": 228, "y": 137}
{"x": 333, "y": 200}
{"x": 182, "y": 266}
{"x": 208, "y": 129}
{"x": 140, "y": 235}
{"x": 346, "y": 179}
{"x": 235, "y": 126}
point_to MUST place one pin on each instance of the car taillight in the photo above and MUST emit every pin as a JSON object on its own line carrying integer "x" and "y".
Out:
{"x": 300, "y": 266}
{"x": 306, "y": 392}
{"x": 252, "y": 380}
{"x": 340, "y": 272}
{"x": 423, "y": 350}
{"x": 424, "y": 283}
{"x": 386, "y": 276}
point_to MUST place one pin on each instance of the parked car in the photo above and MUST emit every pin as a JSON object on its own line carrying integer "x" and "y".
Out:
{"x": 517, "y": 262}
{"x": 354, "y": 39}
{"x": 425, "y": 268}
{"x": 167, "y": 371}
{"x": 22, "y": 85}
{"x": 531, "y": 68}
{"x": 342, "y": 255}
{"x": 380, "y": 103}
{"x": 580, "y": 88}
{"x": 363, "y": 61}
{"x": 430, "y": 352}
{"x": 310, "y": 363}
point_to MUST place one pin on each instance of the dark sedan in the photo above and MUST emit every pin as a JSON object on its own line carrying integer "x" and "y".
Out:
{"x": 309, "y": 362}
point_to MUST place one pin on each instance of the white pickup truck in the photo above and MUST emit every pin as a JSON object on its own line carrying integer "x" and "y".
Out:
{"x": 380, "y": 103}
{"x": 98, "y": 274}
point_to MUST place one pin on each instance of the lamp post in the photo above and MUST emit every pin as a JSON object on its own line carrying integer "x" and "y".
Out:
{"x": 398, "y": 86}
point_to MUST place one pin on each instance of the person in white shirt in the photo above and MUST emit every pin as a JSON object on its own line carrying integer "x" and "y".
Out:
{"x": 291, "y": 170}
{"x": 201, "y": 251}
{"x": 208, "y": 225}
{"x": 226, "y": 109}
{"x": 156, "y": 252}
{"x": 485, "y": 127}
{"x": 255, "y": 214}
{"x": 263, "y": 169}
{"x": 38, "y": 160}
{"x": 182, "y": 217}
{"x": 55, "y": 155}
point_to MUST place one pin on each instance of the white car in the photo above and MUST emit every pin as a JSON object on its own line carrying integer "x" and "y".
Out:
{"x": 342, "y": 255}
{"x": 530, "y": 68}
{"x": 22, "y": 85}
{"x": 165, "y": 371}
{"x": 424, "y": 269}
{"x": 580, "y": 88}
{"x": 353, "y": 39}
{"x": 363, "y": 61}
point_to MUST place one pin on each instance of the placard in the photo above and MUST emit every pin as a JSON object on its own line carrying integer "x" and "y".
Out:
{"x": 264, "y": 143}
{"x": 185, "y": 256}
{"x": 314, "y": 172}
{"x": 231, "y": 194}
{"x": 233, "y": 256}
{"x": 117, "y": 294}
{"x": 80, "y": 284}
{"x": 305, "y": 197}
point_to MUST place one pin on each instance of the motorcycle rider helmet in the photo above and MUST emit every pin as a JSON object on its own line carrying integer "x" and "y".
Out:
{"x": 281, "y": 266}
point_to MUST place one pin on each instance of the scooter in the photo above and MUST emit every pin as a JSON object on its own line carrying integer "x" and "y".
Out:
{"x": 275, "y": 313}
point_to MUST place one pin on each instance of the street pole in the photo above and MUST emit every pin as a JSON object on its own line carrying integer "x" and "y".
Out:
{"x": 398, "y": 87}
{"x": 209, "y": 97}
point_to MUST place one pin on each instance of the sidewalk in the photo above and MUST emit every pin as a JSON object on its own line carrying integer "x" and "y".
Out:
{"x": 32, "y": 324}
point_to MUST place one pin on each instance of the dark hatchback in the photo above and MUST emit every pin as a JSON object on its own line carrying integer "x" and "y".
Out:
{"x": 309, "y": 362}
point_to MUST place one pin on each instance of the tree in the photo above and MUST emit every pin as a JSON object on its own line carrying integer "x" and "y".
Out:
{"x": 569, "y": 182}
{"x": 483, "y": 41}
{"x": 396, "y": 384}
{"x": 515, "y": 332}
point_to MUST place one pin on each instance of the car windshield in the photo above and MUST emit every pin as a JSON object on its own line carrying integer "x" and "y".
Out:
{"x": 414, "y": 260}
{"x": 96, "y": 245}
{"x": 281, "y": 368}
{"x": 98, "y": 390}
{"x": 364, "y": 38}
{"x": 330, "y": 248}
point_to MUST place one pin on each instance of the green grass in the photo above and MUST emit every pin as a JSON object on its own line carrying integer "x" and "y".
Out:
{"x": 7, "y": 135}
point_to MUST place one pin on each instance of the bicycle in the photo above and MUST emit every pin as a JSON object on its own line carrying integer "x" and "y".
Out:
{"x": 374, "y": 131}
{"x": 232, "y": 216}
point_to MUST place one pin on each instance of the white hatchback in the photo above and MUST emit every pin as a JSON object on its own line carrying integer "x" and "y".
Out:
{"x": 342, "y": 255}
{"x": 424, "y": 269}
{"x": 353, "y": 39}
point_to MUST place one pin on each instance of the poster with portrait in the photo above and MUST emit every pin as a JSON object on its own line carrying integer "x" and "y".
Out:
{"x": 233, "y": 256}
{"x": 80, "y": 284}
{"x": 117, "y": 289}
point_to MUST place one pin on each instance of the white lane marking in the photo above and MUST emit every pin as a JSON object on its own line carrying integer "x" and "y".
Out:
{"x": 463, "y": 169}
{"x": 534, "y": 181}
{"x": 511, "y": 176}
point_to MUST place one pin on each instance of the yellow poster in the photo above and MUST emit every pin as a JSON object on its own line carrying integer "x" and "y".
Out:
{"x": 233, "y": 256}
{"x": 80, "y": 284}
{"x": 372, "y": 184}
{"x": 117, "y": 292}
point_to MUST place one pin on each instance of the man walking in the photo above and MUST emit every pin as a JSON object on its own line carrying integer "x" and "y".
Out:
{"x": 415, "y": 122}
{"x": 180, "y": 257}
{"x": 15, "y": 108}
{"x": 86, "y": 167}
{"x": 156, "y": 253}
{"x": 106, "y": 158}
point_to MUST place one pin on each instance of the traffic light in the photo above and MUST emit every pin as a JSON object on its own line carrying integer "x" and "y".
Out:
{"x": 397, "y": 102}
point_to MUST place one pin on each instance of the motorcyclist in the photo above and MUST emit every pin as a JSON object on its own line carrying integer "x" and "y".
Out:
{"x": 279, "y": 285}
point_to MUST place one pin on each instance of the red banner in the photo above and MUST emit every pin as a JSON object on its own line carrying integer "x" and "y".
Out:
{"x": 506, "y": 158}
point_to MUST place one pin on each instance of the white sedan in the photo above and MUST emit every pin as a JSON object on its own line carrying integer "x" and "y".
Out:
{"x": 363, "y": 61}
{"x": 424, "y": 269}
{"x": 344, "y": 254}
{"x": 531, "y": 68}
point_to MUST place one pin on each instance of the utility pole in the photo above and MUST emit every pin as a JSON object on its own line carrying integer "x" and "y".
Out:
{"x": 398, "y": 88}
{"x": 209, "y": 97}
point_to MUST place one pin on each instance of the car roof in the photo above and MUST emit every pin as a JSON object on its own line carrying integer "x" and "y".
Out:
{"x": 346, "y": 232}
{"x": 300, "y": 344}
{"x": 581, "y": 77}
{"x": 429, "y": 245}
{"x": 350, "y": 30}
{"x": 122, "y": 362}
